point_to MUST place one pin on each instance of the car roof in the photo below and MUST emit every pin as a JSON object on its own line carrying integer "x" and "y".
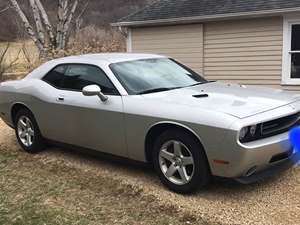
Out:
{"x": 97, "y": 59}
{"x": 111, "y": 57}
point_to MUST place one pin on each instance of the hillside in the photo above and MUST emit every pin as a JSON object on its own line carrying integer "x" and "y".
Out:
{"x": 99, "y": 13}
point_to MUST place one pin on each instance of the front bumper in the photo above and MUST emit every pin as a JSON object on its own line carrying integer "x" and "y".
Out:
{"x": 275, "y": 168}
{"x": 253, "y": 159}
{"x": 249, "y": 159}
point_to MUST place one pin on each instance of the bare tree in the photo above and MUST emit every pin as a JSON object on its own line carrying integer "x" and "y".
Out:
{"x": 79, "y": 20}
{"x": 45, "y": 36}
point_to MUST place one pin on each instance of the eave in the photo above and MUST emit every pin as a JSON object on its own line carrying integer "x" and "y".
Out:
{"x": 197, "y": 19}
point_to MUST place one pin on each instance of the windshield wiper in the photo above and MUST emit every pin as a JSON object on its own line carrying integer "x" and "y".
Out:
{"x": 155, "y": 90}
{"x": 168, "y": 89}
{"x": 201, "y": 83}
{"x": 196, "y": 84}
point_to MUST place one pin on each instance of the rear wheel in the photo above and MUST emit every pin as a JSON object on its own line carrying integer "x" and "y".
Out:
{"x": 180, "y": 161}
{"x": 27, "y": 132}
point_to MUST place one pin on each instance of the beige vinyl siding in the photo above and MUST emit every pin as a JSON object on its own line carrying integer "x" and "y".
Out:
{"x": 244, "y": 51}
{"x": 295, "y": 88}
{"x": 182, "y": 42}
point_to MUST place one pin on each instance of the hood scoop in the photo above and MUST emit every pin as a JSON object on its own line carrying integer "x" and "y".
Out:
{"x": 200, "y": 96}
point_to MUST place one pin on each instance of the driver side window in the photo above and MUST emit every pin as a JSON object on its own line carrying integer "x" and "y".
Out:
{"x": 75, "y": 77}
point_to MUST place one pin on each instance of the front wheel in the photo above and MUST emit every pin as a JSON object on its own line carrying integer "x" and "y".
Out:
{"x": 180, "y": 161}
{"x": 27, "y": 132}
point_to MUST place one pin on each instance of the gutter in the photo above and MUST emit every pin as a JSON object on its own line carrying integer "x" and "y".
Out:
{"x": 195, "y": 19}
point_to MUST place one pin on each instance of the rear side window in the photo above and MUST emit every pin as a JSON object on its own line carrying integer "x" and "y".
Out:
{"x": 75, "y": 77}
{"x": 55, "y": 77}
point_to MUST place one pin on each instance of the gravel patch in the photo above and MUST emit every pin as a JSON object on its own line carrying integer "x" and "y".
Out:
{"x": 275, "y": 201}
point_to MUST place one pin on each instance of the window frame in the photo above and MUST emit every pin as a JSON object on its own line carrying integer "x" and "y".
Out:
{"x": 287, "y": 52}
{"x": 80, "y": 64}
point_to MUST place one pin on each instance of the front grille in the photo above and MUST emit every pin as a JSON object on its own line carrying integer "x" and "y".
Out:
{"x": 280, "y": 125}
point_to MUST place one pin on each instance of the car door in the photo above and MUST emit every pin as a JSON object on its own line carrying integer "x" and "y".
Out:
{"x": 86, "y": 121}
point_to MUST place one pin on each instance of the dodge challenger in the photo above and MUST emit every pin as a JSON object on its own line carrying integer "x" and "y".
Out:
{"x": 153, "y": 109}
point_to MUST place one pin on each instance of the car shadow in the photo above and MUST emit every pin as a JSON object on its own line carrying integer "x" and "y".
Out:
{"x": 145, "y": 172}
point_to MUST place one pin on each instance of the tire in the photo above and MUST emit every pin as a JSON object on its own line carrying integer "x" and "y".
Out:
{"x": 27, "y": 132}
{"x": 189, "y": 170}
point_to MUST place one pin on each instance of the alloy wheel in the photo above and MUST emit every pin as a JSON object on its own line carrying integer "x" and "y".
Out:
{"x": 176, "y": 162}
{"x": 25, "y": 131}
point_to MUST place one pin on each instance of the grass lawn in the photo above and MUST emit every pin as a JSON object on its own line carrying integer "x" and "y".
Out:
{"x": 33, "y": 192}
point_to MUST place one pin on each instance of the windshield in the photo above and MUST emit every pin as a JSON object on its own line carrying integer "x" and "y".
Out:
{"x": 153, "y": 75}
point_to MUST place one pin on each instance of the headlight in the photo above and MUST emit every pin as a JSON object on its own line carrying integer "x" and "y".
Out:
{"x": 243, "y": 133}
{"x": 253, "y": 130}
{"x": 249, "y": 133}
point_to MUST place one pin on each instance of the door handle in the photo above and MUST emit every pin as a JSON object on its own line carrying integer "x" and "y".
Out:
{"x": 60, "y": 99}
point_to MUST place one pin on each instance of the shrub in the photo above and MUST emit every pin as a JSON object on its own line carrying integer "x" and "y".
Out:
{"x": 91, "y": 40}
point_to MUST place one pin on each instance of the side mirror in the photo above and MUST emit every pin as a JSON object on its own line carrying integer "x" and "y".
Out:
{"x": 93, "y": 90}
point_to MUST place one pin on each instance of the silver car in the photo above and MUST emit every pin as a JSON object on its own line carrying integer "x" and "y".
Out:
{"x": 153, "y": 109}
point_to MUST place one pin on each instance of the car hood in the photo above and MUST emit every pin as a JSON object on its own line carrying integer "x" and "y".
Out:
{"x": 237, "y": 100}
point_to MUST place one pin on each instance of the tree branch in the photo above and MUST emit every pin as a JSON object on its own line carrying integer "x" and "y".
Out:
{"x": 5, "y": 9}
{"x": 66, "y": 26}
{"x": 38, "y": 21}
{"x": 3, "y": 53}
{"x": 27, "y": 25}
{"x": 83, "y": 9}
{"x": 61, "y": 15}
{"x": 78, "y": 20}
{"x": 46, "y": 22}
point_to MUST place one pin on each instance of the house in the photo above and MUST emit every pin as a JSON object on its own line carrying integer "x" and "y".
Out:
{"x": 254, "y": 42}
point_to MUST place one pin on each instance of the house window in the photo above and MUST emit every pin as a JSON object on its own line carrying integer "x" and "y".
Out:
{"x": 291, "y": 53}
{"x": 295, "y": 51}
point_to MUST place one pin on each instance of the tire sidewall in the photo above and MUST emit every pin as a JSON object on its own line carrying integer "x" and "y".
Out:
{"x": 201, "y": 174}
{"x": 38, "y": 142}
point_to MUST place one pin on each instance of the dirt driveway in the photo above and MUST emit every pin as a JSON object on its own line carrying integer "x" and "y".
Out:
{"x": 276, "y": 201}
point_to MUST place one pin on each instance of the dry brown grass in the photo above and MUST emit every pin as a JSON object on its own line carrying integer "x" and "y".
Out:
{"x": 14, "y": 51}
{"x": 35, "y": 191}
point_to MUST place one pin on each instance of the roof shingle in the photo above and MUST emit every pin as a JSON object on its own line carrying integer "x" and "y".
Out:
{"x": 171, "y": 9}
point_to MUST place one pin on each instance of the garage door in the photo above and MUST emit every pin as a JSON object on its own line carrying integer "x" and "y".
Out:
{"x": 182, "y": 42}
